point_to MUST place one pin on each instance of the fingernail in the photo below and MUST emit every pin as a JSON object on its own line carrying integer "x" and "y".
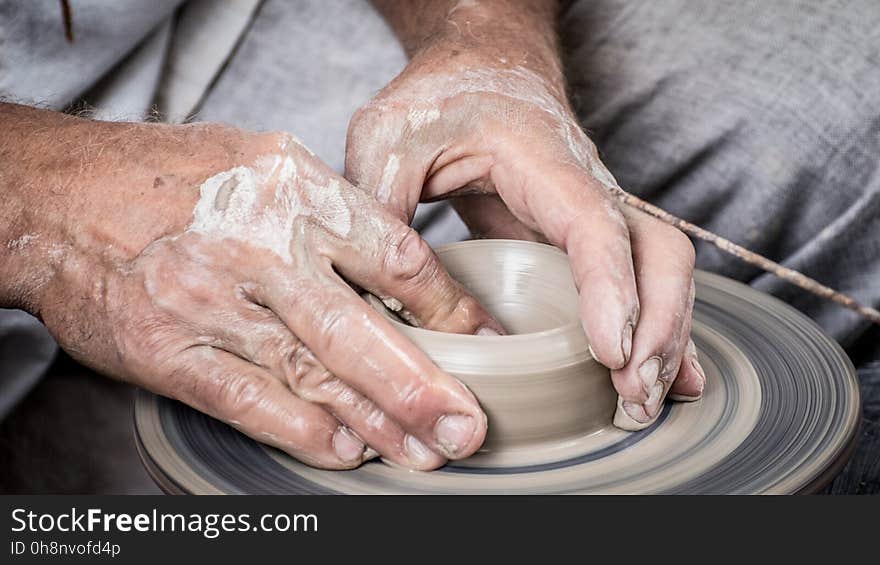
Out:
{"x": 348, "y": 448}
{"x": 592, "y": 353}
{"x": 417, "y": 452}
{"x": 649, "y": 372}
{"x": 453, "y": 432}
{"x": 370, "y": 453}
{"x": 485, "y": 330}
{"x": 626, "y": 342}
{"x": 635, "y": 411}
{"x": 655, "y": 400}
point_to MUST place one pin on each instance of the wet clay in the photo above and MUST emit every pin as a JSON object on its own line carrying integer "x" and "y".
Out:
{"x": 539, "y": 386}
{"x": 781, "y": 416}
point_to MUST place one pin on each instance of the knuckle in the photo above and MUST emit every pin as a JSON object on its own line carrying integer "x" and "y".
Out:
{"x": 305, "y": 292}
{"x": 333, "y": 329}
{"x": 146, "y": 341}
{"x": 279, "y": 138}
{"x": 360, "y": 120}
{"x": 307, "y": 377}
{"x": 413, "y": 401}
{"x": 235, "y": 395}
{"x": 282, "y": 142}
{"x": 364, "y": 122}
{"x": 175, "y": 282}
{"x": 381, "y": 122}
{"x": 408, "y": 258}
{"x": 260, "y": 343}
{"x": 374, "y": 417}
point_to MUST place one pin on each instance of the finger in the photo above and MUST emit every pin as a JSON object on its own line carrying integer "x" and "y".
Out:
{"x": 456, "y": 173}
{"x": 248, "y": 398}
{"x": 582, "y": 220}
{"x": 362, "y": 348}
{"x": 310, "y": 380}
{"x": 664, "y": 258}
{"x": 375, "y": 164}
{"x": 488, "y": 217}
{"x": 391, "y": 260}
{"x": 269, "y": 344}
{"x": 691, "y": 379}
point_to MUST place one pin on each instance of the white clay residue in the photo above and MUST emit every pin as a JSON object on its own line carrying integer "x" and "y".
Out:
{"x": 376, "y": 420}
{"x": 393, "y": 304}
{"x": 329, "y": 206}
{"x": 383, "y": 191}
{"x": 518, "y": 83}
{"x": 22, "y": 242}
{"x": 235, "y": 204}
{"x": 396, "y": 306}
{"x": 601, "y": 173}
{"x": 420, "y": 117}
{"x": 463, "y": 5}
{"x": 244, "y": 217}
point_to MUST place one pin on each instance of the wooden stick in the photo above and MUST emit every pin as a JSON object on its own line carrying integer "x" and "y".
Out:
{"x": 68, "y": 20}
{"x": 792, "y": 276}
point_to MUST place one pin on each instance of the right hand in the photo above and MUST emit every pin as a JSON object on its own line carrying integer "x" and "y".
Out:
{"x": 500, "y": 140}
{"x": 230, "y": 297}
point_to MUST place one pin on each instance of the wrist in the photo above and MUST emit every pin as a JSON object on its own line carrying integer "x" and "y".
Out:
{"x": 490, "y": 35}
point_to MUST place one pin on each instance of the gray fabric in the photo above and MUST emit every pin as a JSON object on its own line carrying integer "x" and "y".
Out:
{"x": 305, "y": 67}
{"x": 39, "y": 66}
{"x": 127, "y": 92}
{"x": 26, "y": 351}
{"x": 757, "y": 120}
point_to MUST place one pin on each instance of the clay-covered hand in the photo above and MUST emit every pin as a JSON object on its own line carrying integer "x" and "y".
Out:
{"x": 206, "y": 263}
{"x": 497, "y": 136}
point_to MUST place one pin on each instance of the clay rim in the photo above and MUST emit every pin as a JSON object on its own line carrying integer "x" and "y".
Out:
{"x": 557, "y": 347}
{"x": 571, "y": 327}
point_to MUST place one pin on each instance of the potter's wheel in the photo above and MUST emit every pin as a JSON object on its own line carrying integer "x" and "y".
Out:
{"x": 779, "y": 415}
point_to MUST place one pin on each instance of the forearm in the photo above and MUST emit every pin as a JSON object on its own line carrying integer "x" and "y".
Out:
{"x": 512, "y": 32}
{"x": 63, "y": 181}
{"x": 31, "y": 194}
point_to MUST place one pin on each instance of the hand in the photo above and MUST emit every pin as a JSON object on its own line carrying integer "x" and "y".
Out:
{"x": 205, "y": 263}
{"x": 499, "y": 138}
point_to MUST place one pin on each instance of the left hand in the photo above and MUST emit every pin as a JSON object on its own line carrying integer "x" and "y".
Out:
{"x": 501, "y": 140}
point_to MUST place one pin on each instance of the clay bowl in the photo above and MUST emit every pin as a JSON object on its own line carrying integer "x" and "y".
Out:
{"x": 539, "y": 386}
